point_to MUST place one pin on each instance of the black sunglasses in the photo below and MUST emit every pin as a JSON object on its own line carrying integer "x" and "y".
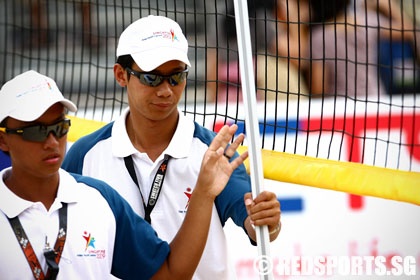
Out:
{"x": 39, "y": 133}
{"x": 153, "y": 80}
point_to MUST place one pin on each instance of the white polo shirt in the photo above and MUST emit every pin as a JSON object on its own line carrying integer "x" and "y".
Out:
{"x": 101, "y": 155}
{"x": 103, "y": 233}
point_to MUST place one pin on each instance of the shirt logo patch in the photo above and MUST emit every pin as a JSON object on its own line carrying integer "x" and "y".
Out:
{"x": 90, "y": 248}
{"x": 90, "y": 240}
{"x": 188, "y": 193}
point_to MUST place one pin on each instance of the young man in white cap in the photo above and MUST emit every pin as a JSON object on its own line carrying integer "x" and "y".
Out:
{"x": 151, "y": 154}
{"x": 56, "y": 225}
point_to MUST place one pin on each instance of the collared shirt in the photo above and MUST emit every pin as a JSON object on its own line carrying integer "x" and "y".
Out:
{"x": 101, "y": 155}
{"x": 103, "y": 233}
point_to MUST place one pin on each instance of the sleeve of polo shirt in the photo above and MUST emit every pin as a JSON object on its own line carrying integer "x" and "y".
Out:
{"x": 138, "y": 252}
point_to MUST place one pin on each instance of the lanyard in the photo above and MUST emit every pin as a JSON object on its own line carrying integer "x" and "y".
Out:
{"x": 156, "y": 185}
{"x": 52, "y": 256}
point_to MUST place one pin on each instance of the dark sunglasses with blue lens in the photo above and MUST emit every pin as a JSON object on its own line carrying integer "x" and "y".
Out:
{"x": 153, "y": 80}
{"x": 39, "y": 133}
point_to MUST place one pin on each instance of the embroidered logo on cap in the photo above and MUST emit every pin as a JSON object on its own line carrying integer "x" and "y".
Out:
{"x": 162, "y": 34}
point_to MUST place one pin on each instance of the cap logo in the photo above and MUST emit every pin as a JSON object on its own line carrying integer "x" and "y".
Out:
{"x": 173, "y": 35}
{"x": 35, "y": 88}
{"x": 163, "y": 34}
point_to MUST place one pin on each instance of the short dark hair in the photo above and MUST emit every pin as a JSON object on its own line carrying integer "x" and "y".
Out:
{"x": 3, "y": 122}
{"x": 125, "y": 61}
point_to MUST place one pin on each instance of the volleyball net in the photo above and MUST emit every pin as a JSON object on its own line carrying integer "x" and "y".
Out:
{"x": 337, "y": 88}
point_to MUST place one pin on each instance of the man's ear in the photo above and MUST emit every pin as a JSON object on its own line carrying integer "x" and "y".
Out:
{"x": 3, "y": 143}
{"x": 120, "y": 75}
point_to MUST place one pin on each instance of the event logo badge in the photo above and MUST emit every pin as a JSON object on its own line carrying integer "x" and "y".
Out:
{"x": 90, "y": 249}
{"x": 90, "y": 240}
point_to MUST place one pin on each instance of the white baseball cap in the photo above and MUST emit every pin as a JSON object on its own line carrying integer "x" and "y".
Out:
{"x": 27, "y": 96}
{"x": 152, "y": 41}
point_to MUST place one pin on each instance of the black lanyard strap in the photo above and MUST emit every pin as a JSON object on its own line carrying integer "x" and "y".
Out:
{"x": 156, "y": 185}
{"x": 52, "y": 256}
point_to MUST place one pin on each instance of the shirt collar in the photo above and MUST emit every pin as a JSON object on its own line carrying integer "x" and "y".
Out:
{"x": 121, "y": 144}
{"x": 178, "y": 147}
{"x": 12, "y": 205}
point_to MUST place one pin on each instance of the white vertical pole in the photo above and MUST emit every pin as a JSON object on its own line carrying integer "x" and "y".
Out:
{"x": 246, "y": 67}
